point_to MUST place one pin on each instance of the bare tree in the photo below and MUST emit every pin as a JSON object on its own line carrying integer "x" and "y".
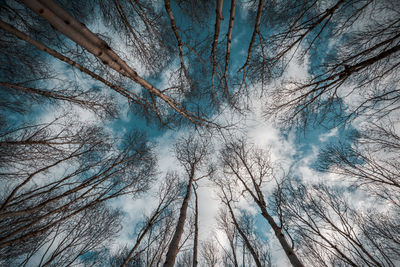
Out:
{"x": 196, "y": 226}
{"x": 191, "y": 153}
{"x": 252, "y": 168}
{"x": 254, "y": 243}
{"x": 158, "y": 239}
{"x": 80, "y": 34}
{"x": 86, "y": 233}
{"x": 228, "y": 43}
{"x": 218, "y": 19}
{"x": 361, "y": 74}
{"x": 59, "y": 175}
{"x": 96, "y": 103}
{"x": 244, "y": 229}
{"x": 66, "y": 91}
{"x": 168, "y": 194}
{"x": 230, "y": 254}
{"x": 178, "y": 39}
{"x": 57, "y": 170}
{"x": 330, "y": 231}
{"x": 371, "y": 163}
{"x": 142, "y": 27}
{"x": 256, "y": 32}
{"x": 210, "y": 253}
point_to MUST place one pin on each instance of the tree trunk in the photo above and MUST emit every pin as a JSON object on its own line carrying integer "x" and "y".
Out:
{"x": 229, "y": 41}
{"x": 281, "y": 237}
{"x": 196, "y": 229}
{"x": 244, "y": 237}
{"x": 216, "y": 34}
{"x": 259, "y": 200}
{"x": 124, "y": 92}
{"x": 174, "y": 245}
{"x": 80, "y": 34}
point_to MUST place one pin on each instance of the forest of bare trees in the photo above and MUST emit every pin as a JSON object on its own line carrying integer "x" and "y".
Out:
{"x": 129, "y": 133}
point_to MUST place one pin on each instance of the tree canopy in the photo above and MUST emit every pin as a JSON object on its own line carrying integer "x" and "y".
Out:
{"x": 199, "y": 133}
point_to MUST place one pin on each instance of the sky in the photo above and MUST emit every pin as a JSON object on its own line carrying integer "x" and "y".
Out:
{"x": 295, "y": 150}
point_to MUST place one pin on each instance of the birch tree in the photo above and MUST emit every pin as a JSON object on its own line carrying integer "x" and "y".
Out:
{"x": 322, "y": 217}
{"x": 370, "y": 163}
{"x": 252, "y": 168}
{"x": 168, "y": 194}
{"x": 359, "y": 72}
{"x": 230, "y": 252}
{"x": 56, "y": 171}
{"x": 86, "y": 233}
{"x": 210, "y": 253}
{"x": 243, "y": 224}
{"x": 76, "y": 31}
{"x": 191, "y": 154}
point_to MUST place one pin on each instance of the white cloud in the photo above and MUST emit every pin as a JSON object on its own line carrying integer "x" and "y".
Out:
{"x": 325, "y": 136}
{"x": 208, "y": 209}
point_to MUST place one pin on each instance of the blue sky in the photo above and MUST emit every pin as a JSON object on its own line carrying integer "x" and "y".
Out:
{"x": 295, "y": 150}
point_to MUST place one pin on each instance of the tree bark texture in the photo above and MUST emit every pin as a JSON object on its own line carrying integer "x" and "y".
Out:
{"x": 174, "y": 245}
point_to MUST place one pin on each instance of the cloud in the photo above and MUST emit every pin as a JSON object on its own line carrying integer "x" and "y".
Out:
{"x": 208, "y": 209}
{"x": 325, "y": 136}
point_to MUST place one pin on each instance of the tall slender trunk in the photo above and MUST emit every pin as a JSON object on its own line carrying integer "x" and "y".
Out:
{"x": 258, "y": 198}
{"x": 233, "y": 247}
{"x": 196, "y": 229}
{"x": 124, "y": 92}
{"x": 228, "y": 43}
{"x": 80, "y": 34}
{"x": 281, "y": 238}
{"x": 255, "y": 32}
{"x": 138, "y": 241}
{"x": 52, "y": 95}
{"x": 218, "y": 19}
{"x": 178, "y": 39}
{"x": 174, "y": 245}
{"x": 244, "y": 237}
